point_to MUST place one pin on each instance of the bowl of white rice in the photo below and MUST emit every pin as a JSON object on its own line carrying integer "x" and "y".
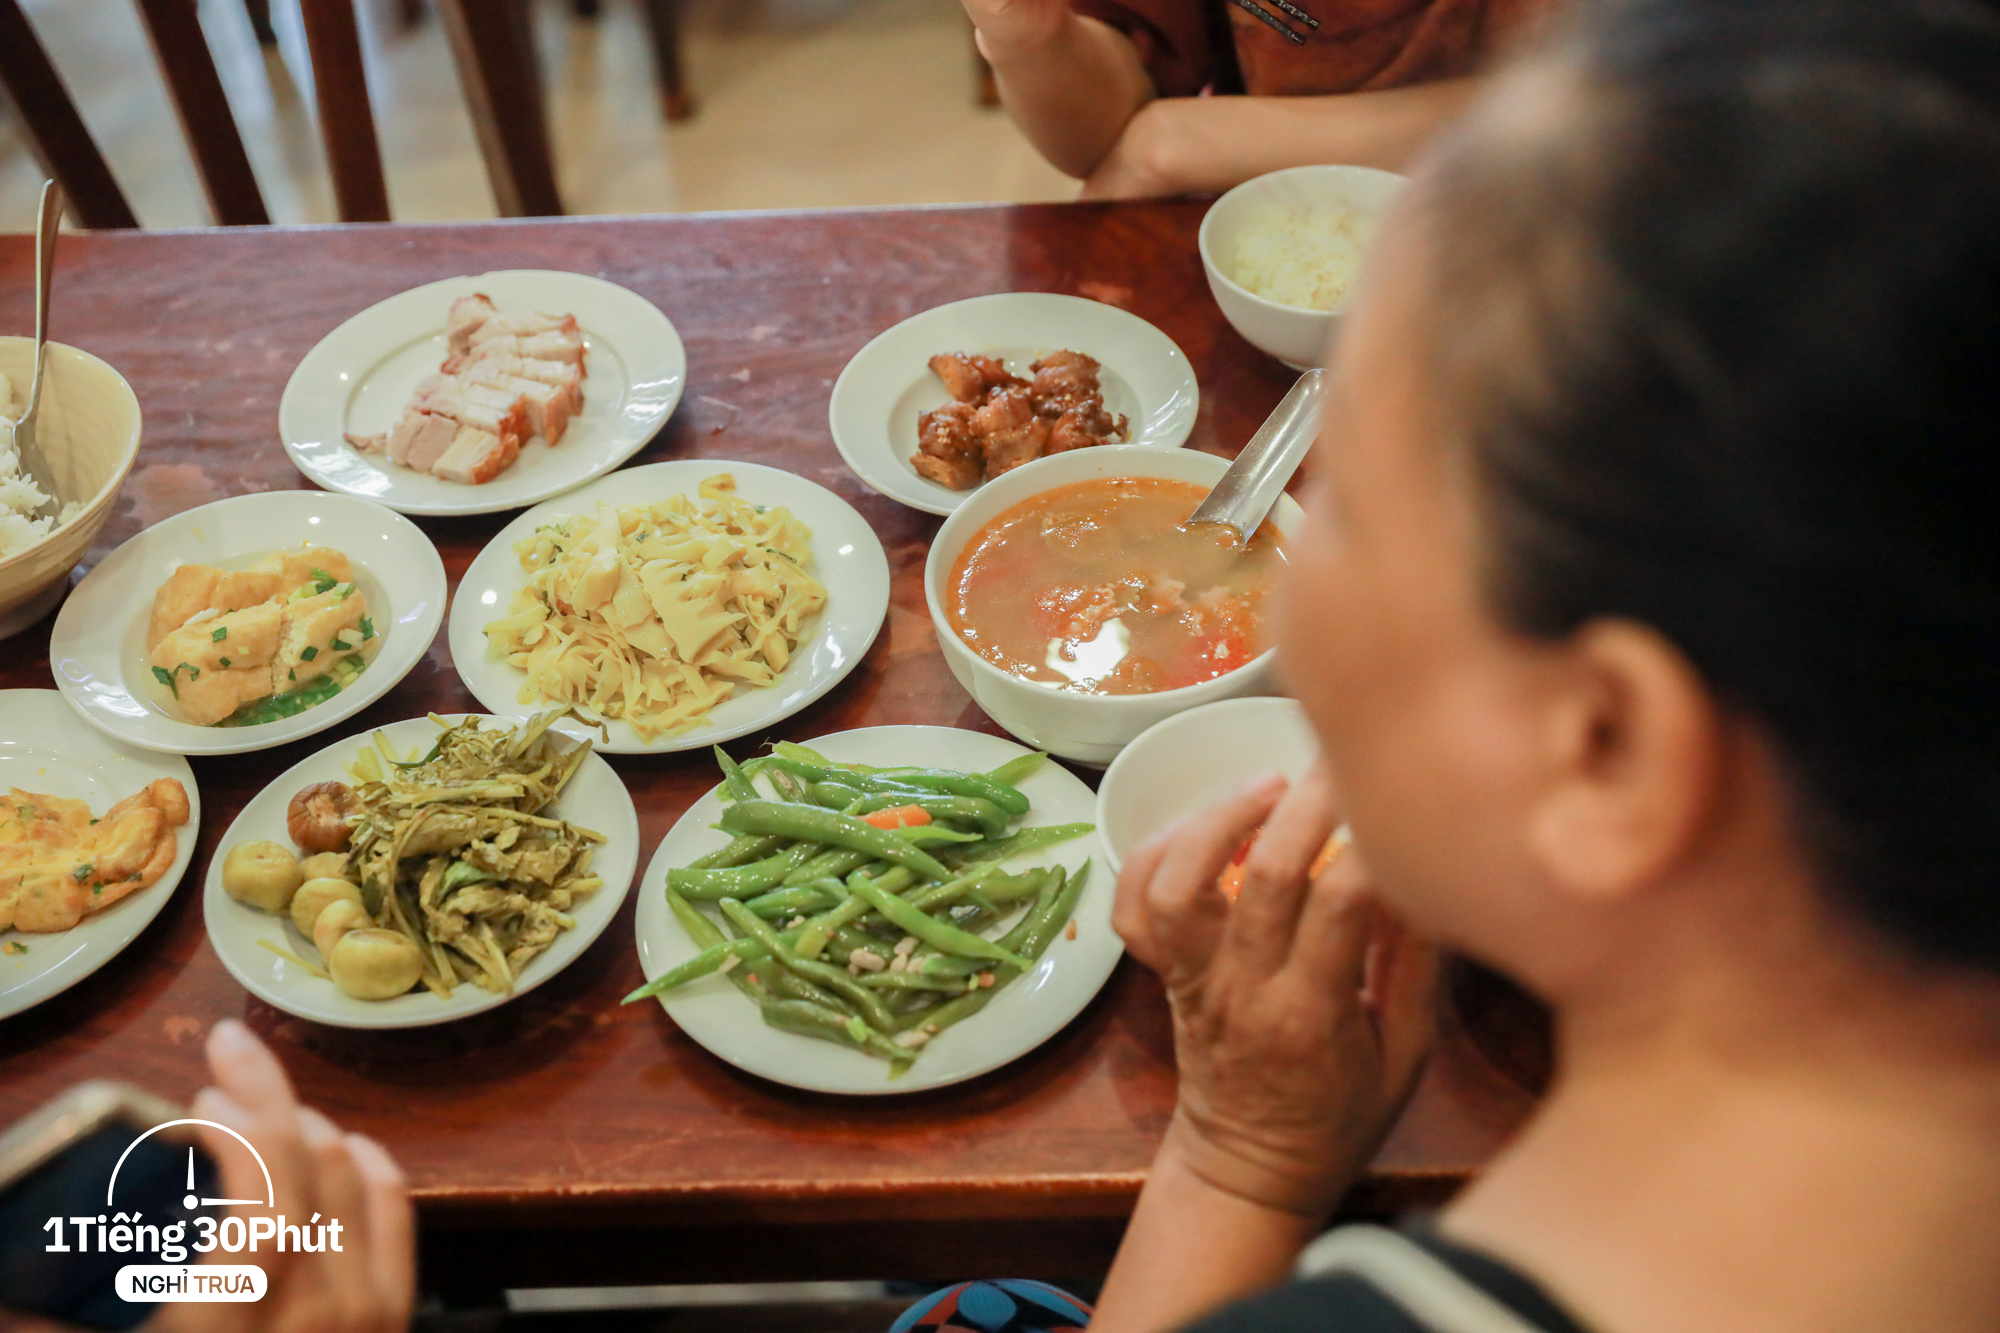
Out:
{"x": 88, "y": 430}
{"x": 1282, "y": 252}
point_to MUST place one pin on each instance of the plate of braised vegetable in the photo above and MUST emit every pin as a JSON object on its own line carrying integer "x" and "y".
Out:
{"x": 430, "y": 870}
{"x": 882, "y": 910}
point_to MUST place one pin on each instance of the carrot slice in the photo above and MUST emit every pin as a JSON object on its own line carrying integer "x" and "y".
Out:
{"x": 899, "y": 816}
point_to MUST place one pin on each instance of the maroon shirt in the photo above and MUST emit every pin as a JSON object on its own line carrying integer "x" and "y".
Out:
{"x": 1230, "y": 47}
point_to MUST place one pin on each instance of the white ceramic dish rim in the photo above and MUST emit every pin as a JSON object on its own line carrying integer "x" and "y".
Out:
{"x": 671, "y": 350}
{"x": 1113, "y": 772}
{"x": 484, "y": 677}
{"x": 131, "y": 449}
{"x": 619, "y": 822}
{"x": 1189, "y": 696}
{"x": 407, "y": 646}
{"x": 906, "y": 487}
{"x": 1228, "y": 279}
{"x": 128, "y": 918}
{"x": 869, "y": 1075}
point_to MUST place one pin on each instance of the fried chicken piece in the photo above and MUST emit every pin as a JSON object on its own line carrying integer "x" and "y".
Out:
{"x": 1065, "y": 375}
{"x": 1075, "y": 429}
{"x": 969, "y": 377}
{"x": 949, "y": 451}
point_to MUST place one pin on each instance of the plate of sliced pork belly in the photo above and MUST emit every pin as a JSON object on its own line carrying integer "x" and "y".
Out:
{"x": 953, "y": 397}
{"x": 485, "y": 393}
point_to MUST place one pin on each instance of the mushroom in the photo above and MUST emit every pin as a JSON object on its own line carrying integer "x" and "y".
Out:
{"x": 317, "y": 817}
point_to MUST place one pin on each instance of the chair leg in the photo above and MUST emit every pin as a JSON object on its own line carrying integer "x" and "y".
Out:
{"x": 346, "y": 121}
{"x": 206, "y": 120}
{"x": 502, "y": 90}
{"x": 54, "y": 131}
{"x": 260, "y": 21}
{"x": 663, "y": 22}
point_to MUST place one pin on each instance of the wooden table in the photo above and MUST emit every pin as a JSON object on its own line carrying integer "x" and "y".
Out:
{"x": 562, "y": 1139}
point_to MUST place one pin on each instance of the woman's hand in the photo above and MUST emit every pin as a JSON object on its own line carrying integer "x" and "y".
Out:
{"x": 1302, "y": 1011}
{"x": 316, "y": 1169}
{"x": 1010, "y": 28}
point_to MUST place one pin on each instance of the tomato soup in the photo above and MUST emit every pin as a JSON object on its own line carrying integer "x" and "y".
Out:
{"x": 1096, "y": 587}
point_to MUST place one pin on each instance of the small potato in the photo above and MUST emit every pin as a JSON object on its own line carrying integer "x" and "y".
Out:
{"x": 312, "y": 898}
{"x": 336, "y": 919}
{"x": 326, "y": 865}
{"x": 262, "y": 874}
{"x": 375, "y": 964}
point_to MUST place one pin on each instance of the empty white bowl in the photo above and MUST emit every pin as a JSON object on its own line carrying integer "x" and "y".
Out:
{"x": 1296, "y": 336}
{"x": 1194, "y": 759}
{"x": 1089, "y": 728}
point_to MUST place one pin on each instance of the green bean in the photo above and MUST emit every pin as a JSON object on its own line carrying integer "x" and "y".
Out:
{"x": 814, "y": 935}
{"x": 749, "y": 847}
{"x": 941, "y": 965}
{"x": 932, "y": 835}
{"x": 786, "y": 984}
{"x": 1014, "y": 771}
{"x": 912, "y": 981}
{"x": 812, "y": 1020}
{"x": 822, "y": 974}
{"x": 778, "y": 904}
{"x": 836, "y": 794}
{"x": 742, "y": 881}
{"x": 1026, "y": 840}
{"x": 790, "y": 788}
{"x": 990, "y": 818}
{"x": 938, "y": 934}
{"x": 1031, "y": 937}
{"x": 837, "y": 862}
{"x": 702, "y": 964}
{"x": 698, "y": 927}
{"x": 813, "y": 824}
{"x": 958, "y": 784}
{"x": 804, "y": 754}
{"x": 735, "y": 782}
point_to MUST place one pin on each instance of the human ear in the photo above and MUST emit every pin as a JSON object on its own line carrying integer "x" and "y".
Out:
{"x": 1632, "y": 758}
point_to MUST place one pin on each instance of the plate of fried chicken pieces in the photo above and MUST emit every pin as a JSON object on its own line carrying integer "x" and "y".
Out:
{"x": 948, "y": 399}
{"x": 94, "y": 836}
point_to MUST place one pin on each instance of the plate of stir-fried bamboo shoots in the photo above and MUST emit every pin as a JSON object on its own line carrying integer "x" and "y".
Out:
{"x": 485, "y": 852}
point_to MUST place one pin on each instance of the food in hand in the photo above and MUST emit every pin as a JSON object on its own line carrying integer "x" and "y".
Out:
{"x": 59, "y": 865}
{"x": 997, "y": 421}
{"x": 1098, "y": 588}
{"x": 336, "y": 919}
{"x": 317, "y": 818}
{"x": 507, "y": 378}
{"x": 1303, "y": 257}
{"x": 263, "y": 875}
{"x": 241, "y": 648}
{"x": 911, "y": 940}
{"x": 375, "y": 964}
{"x": 1230, "y": 881}
{"x": 654, "y": 614}
{"x": 454, "y": 852}
{"x": 313, "y": 897}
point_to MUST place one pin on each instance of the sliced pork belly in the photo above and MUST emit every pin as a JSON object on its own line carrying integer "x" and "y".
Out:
{"x": 533, "y": 346}
{"x": 548, "y": 405}
{"x": 564, "y": 375}
{"x": 509, "y": 422}
{"x": 420, "y": 439}
{"x": 476, "y": 456}
{"x": 524, "y": 326}
{"x": 467, "y": 314}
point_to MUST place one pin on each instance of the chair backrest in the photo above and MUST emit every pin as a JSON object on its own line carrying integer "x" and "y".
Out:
{"x": 494, "y": 49}
{"x": 66, "y": 150}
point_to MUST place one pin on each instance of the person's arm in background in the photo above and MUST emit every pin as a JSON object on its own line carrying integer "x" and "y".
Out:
{"x": 1181, "y": 145}
{"x": 1302, "y": 1016}
{"x": 1071, "y": 83}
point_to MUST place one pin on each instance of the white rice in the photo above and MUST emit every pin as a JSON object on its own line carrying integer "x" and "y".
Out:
{"x": 1305, "y": 257}
{"x": 19, "y": 496}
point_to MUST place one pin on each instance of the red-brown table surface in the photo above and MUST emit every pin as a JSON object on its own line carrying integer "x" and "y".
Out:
{"x": 562, "y": 1138}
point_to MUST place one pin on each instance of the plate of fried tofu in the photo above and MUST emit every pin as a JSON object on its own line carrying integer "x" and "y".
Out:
{"x": 94, "y": 837}
{"x": 249, "y": 622}
{"x": 483, "y": 393}
{"x": 938, "y": 405}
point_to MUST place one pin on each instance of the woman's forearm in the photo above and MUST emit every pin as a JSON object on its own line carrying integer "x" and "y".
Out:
{"x": 1192, "y": 1247}
{"x": 1187, "y": 144}
{"x": 1073, "y": 94}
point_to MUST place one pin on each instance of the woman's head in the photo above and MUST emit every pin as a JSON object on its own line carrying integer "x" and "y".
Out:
{"x": 1661, "y": 525}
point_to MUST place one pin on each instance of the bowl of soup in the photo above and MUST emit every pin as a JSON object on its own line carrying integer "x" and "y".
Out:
{"x": 1072, "y": 603}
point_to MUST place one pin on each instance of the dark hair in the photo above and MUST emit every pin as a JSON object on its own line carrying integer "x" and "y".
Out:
{"x": 1730, "y": 318}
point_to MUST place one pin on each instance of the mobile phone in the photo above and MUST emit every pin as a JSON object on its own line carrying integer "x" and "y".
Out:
{"x": 56, "y": 1172}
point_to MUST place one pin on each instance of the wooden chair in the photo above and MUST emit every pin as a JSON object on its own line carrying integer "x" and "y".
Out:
{"x": 493, "y": 47}
{"x": 60, "y": 141}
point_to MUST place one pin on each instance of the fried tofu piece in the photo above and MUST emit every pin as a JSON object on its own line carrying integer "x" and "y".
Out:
{"x": 313, "y": 637}
{"x": 185, "y": 594}
{"x": 57, "y": 865}
{"x": 212, "y": 695}
{"x": 242, "y": 638}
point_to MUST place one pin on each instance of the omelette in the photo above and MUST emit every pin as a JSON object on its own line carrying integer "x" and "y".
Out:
{"x": 253, "y": 645}
{"x": 58, "y": 865}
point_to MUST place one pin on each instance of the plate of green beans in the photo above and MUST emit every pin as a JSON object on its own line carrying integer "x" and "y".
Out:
{"x": 881, "y": 910}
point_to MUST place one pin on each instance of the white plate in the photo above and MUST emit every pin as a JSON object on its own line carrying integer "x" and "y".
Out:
{"x": 847, "y": 560}
{"x": 595, "y": 798}
{"x": 359, "y": 377}
{"x": 45, "y": 748}
{"x": 888, "y": 384}
{"x": 1027, "y": 1013}
{"x": 98, "y": 650}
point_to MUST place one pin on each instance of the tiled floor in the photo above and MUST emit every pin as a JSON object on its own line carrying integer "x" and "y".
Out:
{"x": 801, "y": 103}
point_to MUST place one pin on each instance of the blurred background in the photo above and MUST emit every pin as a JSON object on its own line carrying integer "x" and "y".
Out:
{"x": 784, "y": 104}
